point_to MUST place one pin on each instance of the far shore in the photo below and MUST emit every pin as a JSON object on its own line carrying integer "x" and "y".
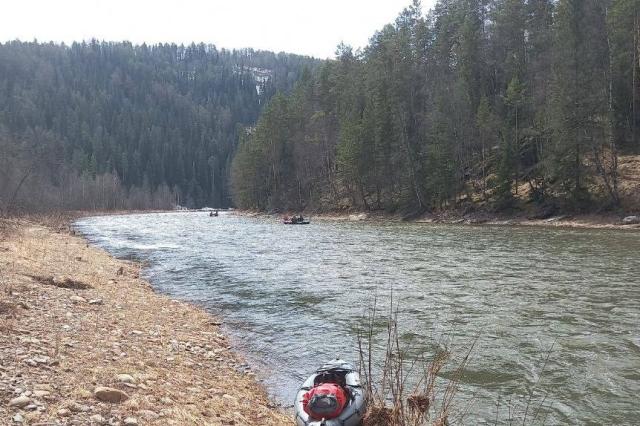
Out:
{"x": 584, "y": 221}
{"x": 449, "y": 217}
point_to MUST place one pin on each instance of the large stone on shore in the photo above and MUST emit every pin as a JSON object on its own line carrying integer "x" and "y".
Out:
{"x": 631, "y": 220}
{"x": 64, "y": 412}
{"x": 20, "y": 402}
{"x": 112, "y": 395}
{"x": 97, "y": 419}
{"x": 78, "y": 299}
{"x": 125, "y": 378}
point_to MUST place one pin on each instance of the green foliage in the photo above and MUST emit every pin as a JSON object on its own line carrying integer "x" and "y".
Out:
{"x": 152, "y": 115}
{"x": 483, "y": 95}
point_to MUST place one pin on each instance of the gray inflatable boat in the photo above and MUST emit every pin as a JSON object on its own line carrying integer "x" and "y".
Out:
{"x": 346, "y": 375}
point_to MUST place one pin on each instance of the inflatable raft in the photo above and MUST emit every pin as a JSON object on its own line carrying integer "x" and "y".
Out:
{"x": 332, "y": 396}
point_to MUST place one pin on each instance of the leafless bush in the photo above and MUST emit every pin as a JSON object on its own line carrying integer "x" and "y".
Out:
{"x": 35, "y": 179}
{"x": 406, "y": 390}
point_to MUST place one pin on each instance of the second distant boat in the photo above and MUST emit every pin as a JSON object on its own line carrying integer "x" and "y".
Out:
{"x": 295, "y": 220}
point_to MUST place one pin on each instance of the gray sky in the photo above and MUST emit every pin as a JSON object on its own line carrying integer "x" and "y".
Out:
{"x": 311, "y": 27}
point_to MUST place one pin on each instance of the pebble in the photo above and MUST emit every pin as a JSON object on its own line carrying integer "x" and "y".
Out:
{"x": 42, "y": 359}
{"x": 97, "y": 418}
{"x": 78, "y": 408}
{"x": 20, "y": 402}
{"x": 95, "y": 302}
{"x": 78, "y": 299}
{"x": 125, "y": 378}
{"x": 131, "y": 421}
{"x": 148, "y": 415}
{"x": 43, "y": 387}
{"x": 112, "y": 395}
{"x": 18, "y": 418}
{"x": 64, "y": 412}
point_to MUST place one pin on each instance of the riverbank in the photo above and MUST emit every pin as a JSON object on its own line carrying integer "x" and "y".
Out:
{"x": 586, "y": 221}
{"x": 85, "y": 340}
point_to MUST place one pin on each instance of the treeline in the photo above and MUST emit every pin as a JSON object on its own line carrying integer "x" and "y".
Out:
{"x": 480, "y": 102}
{"x": 113, "y": 125}
{"x": 35, "y": 179}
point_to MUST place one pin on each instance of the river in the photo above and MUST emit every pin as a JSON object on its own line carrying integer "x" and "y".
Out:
{"x": 292, "y": 296}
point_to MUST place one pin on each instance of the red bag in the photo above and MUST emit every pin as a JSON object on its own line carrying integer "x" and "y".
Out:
{"x": 325, "y": 401}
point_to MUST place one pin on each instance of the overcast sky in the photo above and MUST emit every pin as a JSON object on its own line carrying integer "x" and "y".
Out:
{"x": 311, "y": 27}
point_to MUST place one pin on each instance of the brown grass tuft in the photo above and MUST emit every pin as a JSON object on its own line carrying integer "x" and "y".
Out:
{"x": 378, "y": 415}
{"x": 61, "y": 283}
{"x": 8, "y": 309}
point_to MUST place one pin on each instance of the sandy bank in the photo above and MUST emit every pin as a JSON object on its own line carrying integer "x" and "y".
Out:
{"x": 73, "y": 319}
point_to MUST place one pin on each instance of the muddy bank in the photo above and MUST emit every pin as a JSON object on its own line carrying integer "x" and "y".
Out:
{"x": 84, "y": 340}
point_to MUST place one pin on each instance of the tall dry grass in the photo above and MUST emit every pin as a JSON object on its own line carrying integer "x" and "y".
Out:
{"x": 406, "y": 390}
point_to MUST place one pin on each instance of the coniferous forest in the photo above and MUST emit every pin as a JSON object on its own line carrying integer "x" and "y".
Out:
{"x": 114, "y": 126}
{"x": 491, "y": 103}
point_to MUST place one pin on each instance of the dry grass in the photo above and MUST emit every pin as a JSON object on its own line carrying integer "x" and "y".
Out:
{"x": 63, "y": 282}
{"x": 64, "y": 340}
{"x": 405, "y": 390}
{"x": 629, "y": 186}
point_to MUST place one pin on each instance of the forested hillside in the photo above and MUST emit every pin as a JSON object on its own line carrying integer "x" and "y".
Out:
{"x": 481, "y": 103}
{"x": 112, "y": 125}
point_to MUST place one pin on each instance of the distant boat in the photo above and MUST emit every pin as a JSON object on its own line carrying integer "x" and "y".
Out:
{"x": 213, "y": 214}
{"x": 295, "y": 220}
{"x": 291, "y": 222}
{"x": 333, "y": 396}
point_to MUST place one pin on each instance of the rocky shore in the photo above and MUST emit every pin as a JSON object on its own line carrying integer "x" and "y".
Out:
{"x": 453, "y": 217}
{"x": 84, "y": 340}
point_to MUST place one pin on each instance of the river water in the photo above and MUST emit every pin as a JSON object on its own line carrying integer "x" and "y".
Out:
{"x": 292, "y": 296}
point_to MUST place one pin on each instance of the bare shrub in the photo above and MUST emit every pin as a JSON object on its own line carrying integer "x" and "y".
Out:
{"x": 406, "y": 390}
